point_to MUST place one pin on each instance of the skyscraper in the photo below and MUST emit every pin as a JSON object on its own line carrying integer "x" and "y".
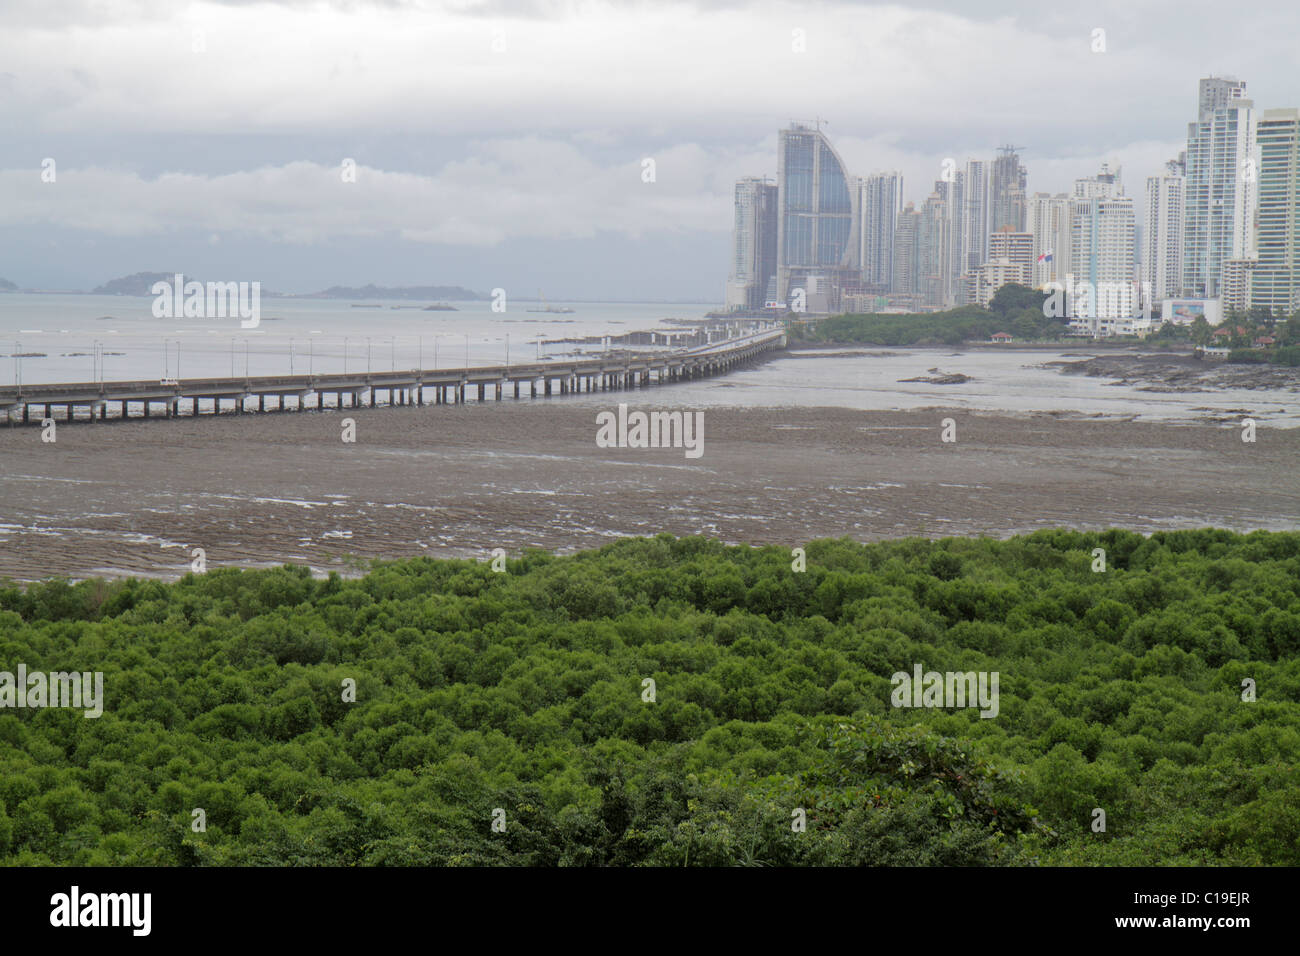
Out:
{"x": 975, "y": 215}
{"x": 1220, "y": 190}
{"x": 753, "y": 259}
{"x": 879, "y": 202}
{"x": 904, "y": 287}
{"x": 1102, "y": 246}
{"x": 1007, "y": 192}
{"x": 1049, "y": 222}
{"x": 1162, "y": 239}
{"x": 932, "y": 275}
{"x": 1275, "y": 282}
{"x": 955, "y": 193}
{"x": 816, "y": 231}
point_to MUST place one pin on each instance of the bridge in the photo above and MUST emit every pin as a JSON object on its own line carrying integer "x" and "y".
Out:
{"x": 170, "y": 398}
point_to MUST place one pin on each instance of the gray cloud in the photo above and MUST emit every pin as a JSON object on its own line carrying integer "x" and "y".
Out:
{"x": 229, "y": 118}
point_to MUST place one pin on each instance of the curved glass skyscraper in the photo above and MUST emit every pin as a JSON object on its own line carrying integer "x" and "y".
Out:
{"x": 817, "y": 228}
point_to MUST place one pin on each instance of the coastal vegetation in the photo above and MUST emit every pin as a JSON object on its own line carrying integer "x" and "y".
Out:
{"x": 1253, "y": 336}
{"x": 1015, "y": 310}
{"x": 674, "y": 702}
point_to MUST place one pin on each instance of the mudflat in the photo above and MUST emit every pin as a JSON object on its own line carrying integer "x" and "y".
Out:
{"x": 137, "y": 497}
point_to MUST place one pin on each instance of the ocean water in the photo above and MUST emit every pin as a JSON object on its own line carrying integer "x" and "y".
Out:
{"x": 1019, "y": 381}
{"x": 327, "y": 336}
{"x": 294, "y": 335}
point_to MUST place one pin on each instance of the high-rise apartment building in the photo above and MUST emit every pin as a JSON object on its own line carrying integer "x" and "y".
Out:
{"x": 1162, "y": 237}
{"x": 932, "y": 270}
{"x": 1275, "y": 282}
{"x": 754, "y": 236}
{"x": 905, "y": 265}
{"x": 1049, "y": 223}
{"x": 1103, "y": 232}
{"x": 1007, "y": 198}
{"x": 1017, "y": 248}
{"x": 1011, "y": 259}
{"x": 880, "y": 198}
{"x": 955, "y": 193}
{"x": 1234, "y": 289}
{"x": 975, "y": 215}
{"x": 816, "y": 230}
{"x": 1219, "y": 192}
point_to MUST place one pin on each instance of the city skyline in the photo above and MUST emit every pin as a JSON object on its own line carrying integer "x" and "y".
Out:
{"x": 1222, "y": 223}
{"x": 483, "y": 168}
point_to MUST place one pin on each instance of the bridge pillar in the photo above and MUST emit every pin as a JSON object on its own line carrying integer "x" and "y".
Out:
{"x": 261, "y": 402}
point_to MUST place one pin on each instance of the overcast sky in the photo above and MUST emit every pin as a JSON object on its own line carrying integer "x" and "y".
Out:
{"x": 502, "y": 143}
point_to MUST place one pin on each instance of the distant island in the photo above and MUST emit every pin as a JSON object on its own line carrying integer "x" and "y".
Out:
{"x": 141, "y": 284}
{"x": 439, "y": 293}
{"x": 138, "y": 284}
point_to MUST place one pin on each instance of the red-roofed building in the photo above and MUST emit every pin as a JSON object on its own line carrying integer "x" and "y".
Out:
{"x": 1000, "y": 337}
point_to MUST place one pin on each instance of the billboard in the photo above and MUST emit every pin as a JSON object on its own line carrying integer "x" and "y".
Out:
{"x": 1187, "y": 311}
